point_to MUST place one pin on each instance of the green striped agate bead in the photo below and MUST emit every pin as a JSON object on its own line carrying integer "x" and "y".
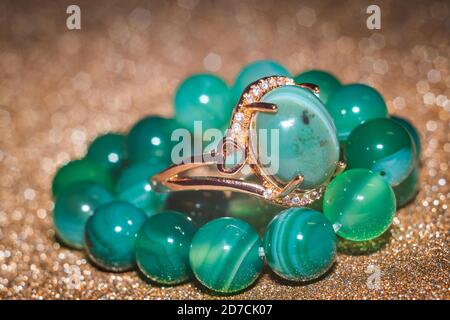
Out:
{"x": 225, "y": 255}
{"x": 300, "y": 244}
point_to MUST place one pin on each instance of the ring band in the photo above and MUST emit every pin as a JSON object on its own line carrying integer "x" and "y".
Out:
{"x": 177, "y": 178}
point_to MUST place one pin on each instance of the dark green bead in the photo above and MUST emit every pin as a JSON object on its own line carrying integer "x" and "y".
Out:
{"x": 149, "y": 141}
{"x": 254, "y": 71}
{"x": 354, "y": 104}
{"x": 201, "y": 206}
{"x": 81, "y": 171}
{"x": 384, "y": 146}
{"x": 205, "y": 98}
{"x": 73, "y": 207}
{"x": 108, "y": 150}
{"x": 225, "y": 255}
{"x": 413, "y": 132}
{"x": 162, "y": 247}
{"x": 327, "y": 83}
{"x": 300, "y": 244}
{"x": 360, "y": 204}
{"x": 110, "y": 235}
{"x": 252, "y": 210}
{"x": 133, "y": 185}
{"x": 408, "y": 188}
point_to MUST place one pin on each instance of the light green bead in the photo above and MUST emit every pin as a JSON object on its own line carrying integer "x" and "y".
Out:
{"x": 73, "y": 207}
{"x": 225, "y": 255}
{"x": 354, "y": 104}
{"x": 205, "y": 98}
{"x": 327, "y": 83}
{"x": 110, "y": 235}
{"x": 254, "y": 71}
{"x": 162, "y": 247}
{"x": 307, "y": 144}
{"x": 360, "y": 204}
{"x": 300, "y": 244}
{"x": 133, "y": 185}
{"x": 83, "y": 170}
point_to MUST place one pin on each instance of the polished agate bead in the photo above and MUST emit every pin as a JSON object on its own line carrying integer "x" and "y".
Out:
{"x": 354, "y": 104}
{"x": 360, "y": 204}
{"x": 149, "y": 140}
{"x": 254, "y": 71}
{"x": 108, "y": 150}
{"x": 204, "y": 98}
{"x": 162, "y": 247}
{"x": 408, "y": 188}
{"x": 133, "y": 185}
{"x": 300, "y": 244}
{"x": 201, "y": 206}
{"x": 83, "y": 170}
{"x": 110, "y": 235}
{"x": 73, "y": 207}
{"x": 225, "y": 255}
{"x": 305, "y": 142}
{"x": 255, "y": 211}
{"x": 412, "y": 131}
{"x": 383, "y": 146}
{"x": 327, "y": 83}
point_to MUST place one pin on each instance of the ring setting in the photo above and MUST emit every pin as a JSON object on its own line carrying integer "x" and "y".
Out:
{"x": 309, "y": 149}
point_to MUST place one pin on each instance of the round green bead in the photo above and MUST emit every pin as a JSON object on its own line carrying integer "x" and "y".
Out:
{"x": 83, "y": 170}
{"x": 257, "y": 212}
{"x": 306, "y": 139}
{"x": 133, "y": 185}
{"x": 254, "y": 71}
{"x": 108, "y": 150}
{"x": 201, "y": 206}
{"x": 162, "y": 247}
{"x": 354, "y": 104}
{"x": 110, "y": 235}
{"x": 413, "y": 132}
{"x": 384, "y": 146}
{"x": 327, "y": 83}
{"x": 149, "y": 141}
{"x": 225, "y": 255}
{"x": 73, "y": 207}
{"x": 360, "y": 204}
{"x": 408, "y": 188}
{"x": 300, "y": 244}
{"x": 205, "y": 98}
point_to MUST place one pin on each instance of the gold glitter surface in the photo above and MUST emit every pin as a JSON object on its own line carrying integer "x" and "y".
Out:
{"x": 60, "y": 88}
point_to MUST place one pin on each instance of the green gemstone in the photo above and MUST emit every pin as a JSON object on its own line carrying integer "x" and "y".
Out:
{"x": 73, "y": 207}
{"x": 225, "y": 255}
{"x": 327, "y": 83}
{"x": 354, "y": 104}
{"x": 110, "y": 235}
{"x": 81, "y": 171}
{"x": 201, "y": 206}
{"x": 299, "y": 139}
{"x": 162, "y": 247}
{"x": 108, "y": 150}
{"x": 408, "y": 188}
{"x": 413, "y": 132}
{"x": 133, "y": 185}
{"x": 360, "y": 204}
{"x": 252, "y": 210}
{"x": 384, "y": 146}
{"x": 205, "y": 98}
{"x": 300, "y": 244}
{"x": 149, "y": 141}
{"x": 254, "y": 71}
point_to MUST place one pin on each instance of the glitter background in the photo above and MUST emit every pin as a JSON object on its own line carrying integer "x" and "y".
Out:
{"x": 61, "y": 88}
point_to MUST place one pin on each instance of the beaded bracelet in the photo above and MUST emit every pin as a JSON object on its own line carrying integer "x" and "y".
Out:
{"x": 105, "y": 203}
